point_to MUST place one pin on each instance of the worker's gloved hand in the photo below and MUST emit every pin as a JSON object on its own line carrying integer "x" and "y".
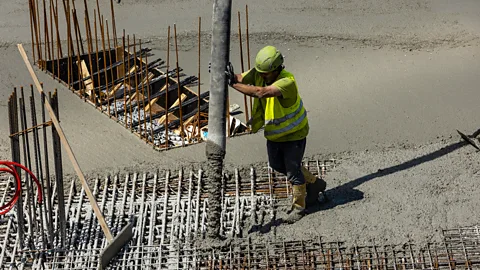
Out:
{"x": 232, "y": 79}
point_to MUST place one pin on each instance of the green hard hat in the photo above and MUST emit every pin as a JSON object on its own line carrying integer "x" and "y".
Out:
{"x": 268, "y": 59}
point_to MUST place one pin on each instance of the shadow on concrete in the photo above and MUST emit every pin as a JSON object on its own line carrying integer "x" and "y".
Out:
{"x": 347, "y": 193}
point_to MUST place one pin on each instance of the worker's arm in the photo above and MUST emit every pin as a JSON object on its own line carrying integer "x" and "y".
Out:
{"x": 255, "y": 91}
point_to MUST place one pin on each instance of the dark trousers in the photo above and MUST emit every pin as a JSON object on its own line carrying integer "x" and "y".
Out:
{"x": 286, "y": 158}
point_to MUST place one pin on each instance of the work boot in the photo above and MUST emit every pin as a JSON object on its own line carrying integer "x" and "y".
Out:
{"x": 297, "y": 210}
{"x": 315, "y": 186}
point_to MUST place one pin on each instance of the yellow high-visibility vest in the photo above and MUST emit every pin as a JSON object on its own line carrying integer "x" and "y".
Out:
{"x": 277, "y": 120}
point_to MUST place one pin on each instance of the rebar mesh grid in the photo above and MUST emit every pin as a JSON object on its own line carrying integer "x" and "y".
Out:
{"x": 166, "y": 207}
{"x": 313, "y": 254}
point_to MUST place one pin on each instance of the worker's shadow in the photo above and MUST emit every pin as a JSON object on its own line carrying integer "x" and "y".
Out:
{"x": 347, "y": 193}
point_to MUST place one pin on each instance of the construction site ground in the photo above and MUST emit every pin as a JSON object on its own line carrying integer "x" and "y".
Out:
{"x": 385, "y": 83}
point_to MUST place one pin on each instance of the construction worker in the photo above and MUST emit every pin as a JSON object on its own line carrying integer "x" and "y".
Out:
{"x": 279, "y": 108}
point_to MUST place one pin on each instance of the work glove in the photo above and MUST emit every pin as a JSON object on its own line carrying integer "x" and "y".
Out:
{"x": 232, "y": 79}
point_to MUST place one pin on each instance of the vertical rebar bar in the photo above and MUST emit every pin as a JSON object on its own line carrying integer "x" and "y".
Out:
{"x": 248, "y": 48}
{"x": 98, "y": 97}
{"x": 114, "y": 27}
{"x": 15, "y": 146}
{"x": 142, "y": 78}
{"x": 31, "y": 29}
{"x": 166, "y": 89}
{"x": 111, "y": 72}
{"x": 124, "y": 80}
{"x": 199, "y": 81}
{"x": 130, "y": 84}
{"x": 69, "y": 45}
{"x": 136, "y": 79}
{"x": 35, "y": 29}
{"x": 57, "y": 155}
{"x": 77, "y": 27}
{"x": 38, "y": 165}
{"x": 47, "y": 186}
{"x": 79, "y": 64}
{"x": 51, "y": 38}
{"x": 149, "y": 99}
{"x": 102, "y": 31}
{"x": 89, "y": 47}
{"x": 47, "y": 35}
{"x": 241, "y": 63}
{"x": 182, "y": 131}
{"x": 27, "y": 161}
{"x": 59, "y": 45}
{"x": 37, "y": 16}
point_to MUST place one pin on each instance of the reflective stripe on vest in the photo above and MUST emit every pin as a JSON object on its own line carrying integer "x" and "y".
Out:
{"x": 283, "y": 121}
{"x": 289, "y": 127}
{"x": 279, "y": 121}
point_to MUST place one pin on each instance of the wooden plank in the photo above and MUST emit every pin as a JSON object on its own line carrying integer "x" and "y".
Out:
{"x": 66, "y": 145}
{"x": 153, "y": 101}
{"x": 177, "y": 102}
{"x": 85, "y": 74}
{"x": 171, "y": 117}
{"x": 115, "y": 89}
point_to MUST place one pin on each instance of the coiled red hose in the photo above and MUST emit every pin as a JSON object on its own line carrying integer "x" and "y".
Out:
{"x": 11, "y": 168}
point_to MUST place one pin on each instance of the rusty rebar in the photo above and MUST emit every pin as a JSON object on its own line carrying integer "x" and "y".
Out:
{"x": 124, "y": 78}
{"x": 241, "y": 63}
{"x": 102, "y": 31}
{"x": 111, "y": 72}
{"x": 199, "y": 82}
{"x": 98, "y": 97}
{"x": 31, "y": 29}
{"x": 248, "y": 49}
{"x": 142, "y": 78}
{"x": 149, "y": 99}
{"x": 182, "y": 131}
{"x": 166, "y": 90}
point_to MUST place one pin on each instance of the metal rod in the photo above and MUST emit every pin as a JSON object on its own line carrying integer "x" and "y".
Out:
{"x": 199, "y": 82}
{"x": 35, "y": 29}
{"x": 111, "y": 71}
{"x": 136, "y": 76}
{"x": 89, "y": 47}
{"x": 166, "y": 92}
{"x": 37, "y": 16}
{"x": 47, "y": 186}
{"x": 241, "y": 62}
{"x": 114, "y": 27}
{"x": 142, "y": 78}
{"x": 130, "y": 83}
{"x": 102, "y": 30}
{"x": 26, "y": 155}
{"x": 57, "y": 157}
{"x": 77, "y": 28}
{"x": 79, "y": 65}
{"x": 99, "y": 12}
{"x": 182, "y": 131}
{"x": 59, "y": 45}
{"x": 248, "y": 49}
{"x": 69, "y": 46}
{"x": 38, "y": 165}
{"x": 47, "y": 35}
{"x": 31, "y": 29}
{"x": 124, "y": 77}
{"x": 51, "y": 38}
{"x": 149, "y": 99}
{"x": 99, "y": 97}
{"x": 15, "y": 145}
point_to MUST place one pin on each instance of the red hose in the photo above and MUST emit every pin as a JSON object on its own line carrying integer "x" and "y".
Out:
{"x": 11, "y": 168}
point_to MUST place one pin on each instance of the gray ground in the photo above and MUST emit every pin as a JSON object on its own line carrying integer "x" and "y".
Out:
{"x": 385, "y": 83}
